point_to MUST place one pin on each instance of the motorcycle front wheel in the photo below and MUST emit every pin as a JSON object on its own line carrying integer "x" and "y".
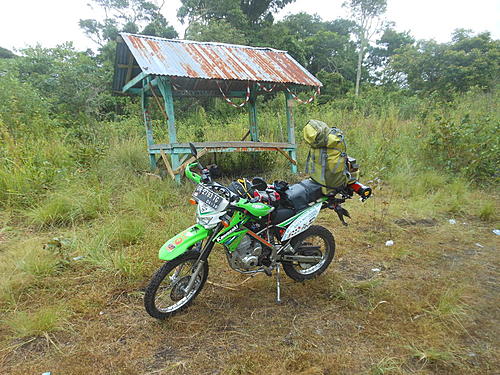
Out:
{"x": 315, "y": 241}
{"x": 165, "y": 295}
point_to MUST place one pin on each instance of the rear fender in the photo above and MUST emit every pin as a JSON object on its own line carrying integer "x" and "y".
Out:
{"x": 180, "y": 243}
{"x": 302, "y": 221}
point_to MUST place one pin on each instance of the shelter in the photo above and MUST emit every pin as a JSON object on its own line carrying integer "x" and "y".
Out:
{"x": 181, "y": 68}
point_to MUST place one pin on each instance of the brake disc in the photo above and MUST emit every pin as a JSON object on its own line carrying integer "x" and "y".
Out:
{"x": 178, "y": 292}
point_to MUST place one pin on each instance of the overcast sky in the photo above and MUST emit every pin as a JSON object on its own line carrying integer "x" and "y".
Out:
{"x": 50, "y": 22}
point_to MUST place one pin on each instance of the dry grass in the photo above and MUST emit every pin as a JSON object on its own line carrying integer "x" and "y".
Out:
{"x": 431, "y": 309}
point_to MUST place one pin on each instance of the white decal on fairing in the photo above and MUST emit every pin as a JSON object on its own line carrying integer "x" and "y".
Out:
{"x": 303, "y": 222}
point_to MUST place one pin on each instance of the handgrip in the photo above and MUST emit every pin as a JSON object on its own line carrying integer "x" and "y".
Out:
{"x": 191, "y": 175}
{"x": 363, "y": 191}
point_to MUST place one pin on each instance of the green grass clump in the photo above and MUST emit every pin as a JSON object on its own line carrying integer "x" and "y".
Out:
{"x": 386, "y": 366}
{"x": 449, "y": 307}
{"x": 21, "y": 264}
{"x": 113, "y": 245}
{"x": 124, "y": 159}
{"x": 487, "y": 211}
{"x": 38, "y": 323}
{"x": 32, "y": 163}
{"x": 39, "y": 263}
{"x": 11, "y": 284}
{"x": 419, "y": 184}
{"x": 432, "y": 355}
{"x": 128, "y": 265}
{"x": 125, "y": 230}
{"x": 62, "y": 208}
{"x": 149, "y": 198}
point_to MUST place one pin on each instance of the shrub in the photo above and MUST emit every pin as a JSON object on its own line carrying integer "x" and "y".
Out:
{"x": 463, "y": 137}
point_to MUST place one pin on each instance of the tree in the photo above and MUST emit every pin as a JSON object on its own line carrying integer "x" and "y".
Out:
{"x": 6, "y": 54}
{"x": 133, "y": 16}
{"x": 367, "y": 15}
{"x": 323, "y": 45}
{"x": 388, "y": 45}
{"x": 243, "y": 15}
{"x": 445, "y": 68}
{"x": 72, "y": 83}
{"x": 216, "y": 31}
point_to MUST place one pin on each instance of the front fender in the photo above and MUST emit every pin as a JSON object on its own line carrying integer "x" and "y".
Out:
{"x": 180, "y": 243}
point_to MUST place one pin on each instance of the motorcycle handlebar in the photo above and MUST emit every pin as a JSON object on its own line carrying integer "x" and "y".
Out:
{"x": 199, "y": 179}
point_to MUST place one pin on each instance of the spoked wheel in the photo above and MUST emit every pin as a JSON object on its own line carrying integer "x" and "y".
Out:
{"x": 166, "y": 293}
{"x": 316, "y": 241}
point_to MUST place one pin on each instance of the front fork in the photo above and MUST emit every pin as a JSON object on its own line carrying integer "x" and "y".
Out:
{"x": 205, "y": 252}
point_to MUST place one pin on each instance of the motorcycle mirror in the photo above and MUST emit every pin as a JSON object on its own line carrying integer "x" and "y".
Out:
{"x": 193, "y": 150}
{"x": 259, "y": 184}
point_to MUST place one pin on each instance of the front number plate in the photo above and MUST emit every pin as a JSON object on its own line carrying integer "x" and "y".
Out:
{"x": 211, "y": 199}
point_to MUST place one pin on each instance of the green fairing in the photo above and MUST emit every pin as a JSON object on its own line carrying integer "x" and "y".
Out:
{"x": 182, "y": 242}
{"x": 233, "y": 240}
{"x": 255, "y": 209}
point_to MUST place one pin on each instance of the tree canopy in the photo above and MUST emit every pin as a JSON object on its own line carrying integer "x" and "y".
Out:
{"x": 445, "y": 68}
{"x": 75, "y": 85}
{"x": 6, "y": 54}
{"x": 133, "y": 16}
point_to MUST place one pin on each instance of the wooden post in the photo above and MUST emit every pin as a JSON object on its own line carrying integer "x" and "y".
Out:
{"x": 148, "y": 125}
{"x": 252, "y": 116}
{"x": 291, "y": 128}
{"x": 166, "y": 90}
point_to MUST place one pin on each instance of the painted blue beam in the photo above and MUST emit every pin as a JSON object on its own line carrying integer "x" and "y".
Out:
{"x": 134, "y": 81}
{"x": 290, "y": 124}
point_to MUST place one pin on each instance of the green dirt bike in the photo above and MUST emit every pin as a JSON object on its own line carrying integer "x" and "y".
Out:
{"x": 258, "y": 235}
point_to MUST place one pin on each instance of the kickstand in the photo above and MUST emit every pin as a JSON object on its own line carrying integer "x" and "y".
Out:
{"x": 278, "y": 291}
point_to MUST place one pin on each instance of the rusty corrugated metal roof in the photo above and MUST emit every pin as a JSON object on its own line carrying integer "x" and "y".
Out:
{"x": 220, "y": 61}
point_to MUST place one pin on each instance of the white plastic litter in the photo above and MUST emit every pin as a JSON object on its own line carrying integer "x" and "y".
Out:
{"x": 452, "y": 221}
{"x": 389, "y": 243}
{"x": 496, "y": 231}
{"x": 80, "y": 257}
{"x": 478, "y": 245}
{"x": 376, "y": 269}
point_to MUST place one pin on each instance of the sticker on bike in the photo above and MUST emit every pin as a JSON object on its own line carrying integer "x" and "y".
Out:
{"x": 303, "y": 222}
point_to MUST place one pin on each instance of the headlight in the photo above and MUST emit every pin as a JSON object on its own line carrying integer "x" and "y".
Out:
{"x": 207, "y": 217}
{"x": 203, "y": 220}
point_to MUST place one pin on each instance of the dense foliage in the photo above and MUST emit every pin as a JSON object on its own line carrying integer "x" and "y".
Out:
{"x": 57, "y": 114}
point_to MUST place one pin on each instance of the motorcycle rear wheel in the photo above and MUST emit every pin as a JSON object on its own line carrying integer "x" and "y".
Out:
{"x": 165, "y": 295}
{"x": 315, "y": 241}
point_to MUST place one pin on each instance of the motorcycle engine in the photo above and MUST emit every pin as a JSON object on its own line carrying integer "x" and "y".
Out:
{"x": 248, "y": 254}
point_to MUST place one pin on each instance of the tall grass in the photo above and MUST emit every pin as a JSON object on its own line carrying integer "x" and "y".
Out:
{"x": 390, "y": 142}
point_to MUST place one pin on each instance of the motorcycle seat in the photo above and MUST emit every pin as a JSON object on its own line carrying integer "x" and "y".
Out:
{"x": 299, "y": 196}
